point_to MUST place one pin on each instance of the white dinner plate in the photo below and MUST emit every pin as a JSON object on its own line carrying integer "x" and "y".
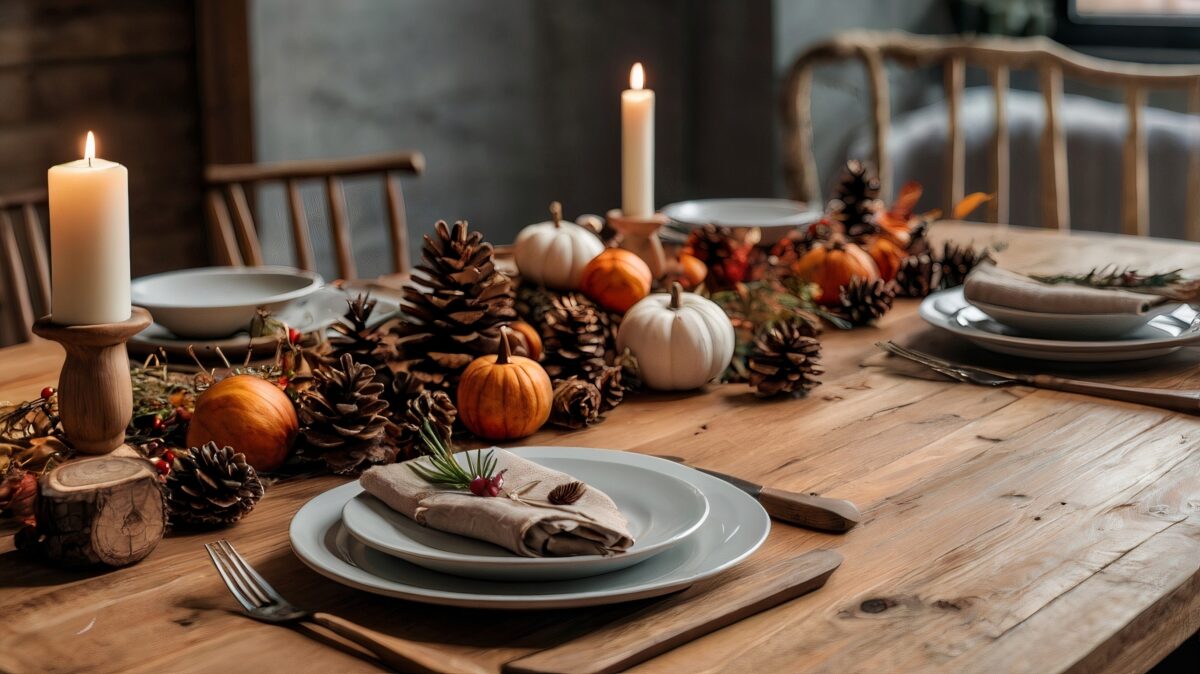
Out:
{"x": 1073, "y": 326}
{"x": 661, "y": 510}
{"x": 1169, "y": 332}
{"x": 735, "y": 527}
{"x": 774, "y": 217}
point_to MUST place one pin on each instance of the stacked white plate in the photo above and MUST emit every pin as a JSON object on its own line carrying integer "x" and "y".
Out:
{"x": 688, "y": 526}
{"x": 1064, "y": 337}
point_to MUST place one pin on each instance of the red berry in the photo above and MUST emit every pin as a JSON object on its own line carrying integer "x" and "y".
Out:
{"x": 162, "y": 466}
{"x": 182, "y": 414}
{"x": 169, "y": 457}
{"x": 47, "y": 392}
{"x": 158, "y": 423}
{"x": 294, "y": 335}
{"x": 480, "y": 487}
{"x": 496, "y": 483}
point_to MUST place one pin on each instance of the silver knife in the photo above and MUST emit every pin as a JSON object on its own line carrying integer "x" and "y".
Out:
{"x": 806, "y": 510}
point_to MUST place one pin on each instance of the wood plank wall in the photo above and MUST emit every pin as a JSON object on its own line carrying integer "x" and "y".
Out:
{"x": 125, "y": 69}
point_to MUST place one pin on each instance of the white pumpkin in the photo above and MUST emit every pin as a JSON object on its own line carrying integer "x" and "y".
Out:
{"x": 681, "y": 340}
{"x": 555, "y": 253}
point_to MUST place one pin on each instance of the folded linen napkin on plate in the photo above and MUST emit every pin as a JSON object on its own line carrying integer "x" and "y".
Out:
{"x": 530, "y": 526}
{"x": 990, "y": 284}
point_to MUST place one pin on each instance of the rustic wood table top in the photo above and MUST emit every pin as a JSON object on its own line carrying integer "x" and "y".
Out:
{"x": 1004, "y": 530}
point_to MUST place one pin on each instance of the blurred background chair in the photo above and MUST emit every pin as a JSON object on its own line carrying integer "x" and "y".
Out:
{"x": 980, "y": 128}
{"x": 26, "y": 267}
{"x": 236, "y": 239}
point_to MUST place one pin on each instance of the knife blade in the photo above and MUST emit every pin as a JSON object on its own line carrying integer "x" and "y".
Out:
{"x": 812, "y": 512}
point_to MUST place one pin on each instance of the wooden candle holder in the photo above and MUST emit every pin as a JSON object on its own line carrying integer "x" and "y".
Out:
{"x": 95, "y": 393}
{"x": 640, "y": 236}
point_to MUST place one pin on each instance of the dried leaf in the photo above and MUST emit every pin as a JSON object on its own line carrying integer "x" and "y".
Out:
{"x": 969, "y": 203}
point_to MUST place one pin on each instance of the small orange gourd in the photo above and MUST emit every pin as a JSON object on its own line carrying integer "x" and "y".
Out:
{"x": 832, "y": 264}
{"x": 250, "y": 414}
{"x": 887, "y": 255}
{"x": 504, "y": 397}
{"x": 528, "y": 336}
{"x": 616, "y": 279}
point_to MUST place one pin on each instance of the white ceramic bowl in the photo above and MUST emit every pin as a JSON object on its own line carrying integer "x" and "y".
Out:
{"x": 774, "y": 217}
{"x": 214, "y": 302}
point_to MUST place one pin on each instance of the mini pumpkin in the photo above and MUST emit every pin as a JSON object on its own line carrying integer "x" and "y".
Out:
{"x": 681, "y": 340}
{"x": 887, "y": 255}
{"x": 616, "y": 279}
{"x": 250, "y": 414}
{"x": 527, "y": 336}
{"x": 504, "y": 397}
{"x": 831, "y": 264}
{"x": 554, "y": 253}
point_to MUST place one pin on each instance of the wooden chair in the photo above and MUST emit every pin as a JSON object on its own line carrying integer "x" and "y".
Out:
{"x": 998, "y": 56}
{"x": 22, "y": 304}
{"x": 234, "y": 231}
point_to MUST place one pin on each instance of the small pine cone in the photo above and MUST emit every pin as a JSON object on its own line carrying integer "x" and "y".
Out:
{"x": 342, "y": 417}
{"x": 532, "y": 302}
{"x": 916, "y": 277}
{"x": 210, "y": 487}
{"x": 576, "y": 404}
{"x": 575, "y": 338}
{"x": 727, "y": 258}
{"x": 612, "y": 387}
{"x": 786, "y": 358}
{"x": 856, "y": 200}
{"x": 958, "y": 261}
{"x": 865, "y": 301}
{"x": 432, "y": 406}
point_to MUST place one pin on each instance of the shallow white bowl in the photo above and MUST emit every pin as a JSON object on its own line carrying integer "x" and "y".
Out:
{"x": 774, "y": 217}
{"x": 218, "y": 301}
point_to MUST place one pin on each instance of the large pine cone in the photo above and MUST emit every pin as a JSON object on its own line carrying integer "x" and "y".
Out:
{"x": 916, "y": 277}
{"x": 342, "y": 417}
{"x": 210, "y": 487}
{"x": 786, "y": 358}
{"x": 432, "y": 406}
{"x": 453, "y": 306}
{"x": 364, "y": 343}
{"x": 576, "y": 403}
{"x": 856, "y": 200}
{"x": 958, "y": 261}
{"x": 863, "y": 302}
{"x": 576, "y": 338}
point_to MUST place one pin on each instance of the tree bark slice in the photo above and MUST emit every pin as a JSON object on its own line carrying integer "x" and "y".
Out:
{"x": 104, "y": 510}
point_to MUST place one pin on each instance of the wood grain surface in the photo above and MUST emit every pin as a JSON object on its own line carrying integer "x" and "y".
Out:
{"x": 1012, "y": 530}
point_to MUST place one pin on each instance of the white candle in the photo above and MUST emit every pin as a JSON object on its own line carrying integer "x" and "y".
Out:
{"x": 637, "y": 146}
{"x": 89, "y": 240}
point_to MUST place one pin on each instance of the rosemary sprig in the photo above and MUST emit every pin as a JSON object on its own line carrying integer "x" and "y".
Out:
{"x": 1171, "y": 284}
{"x": 444, "y": 469}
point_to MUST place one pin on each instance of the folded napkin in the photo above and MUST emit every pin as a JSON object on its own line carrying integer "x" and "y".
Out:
{"x": 990, "y": 284}
{"x": 590, "y": 526}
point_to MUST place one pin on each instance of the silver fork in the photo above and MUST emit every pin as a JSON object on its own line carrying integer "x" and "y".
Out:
{"x": 1178, "y": 401}
{"x": 262, "y": 602}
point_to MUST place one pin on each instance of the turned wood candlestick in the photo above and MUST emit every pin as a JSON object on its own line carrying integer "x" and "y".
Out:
{"x": 95, "y": 393}
{"x": 640, "y": 236}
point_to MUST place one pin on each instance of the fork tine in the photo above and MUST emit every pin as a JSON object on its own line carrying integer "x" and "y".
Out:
{"x": 253, "y": 575}
{"x": 233, "y": 587}
{"x": 928, "y": 361}
{"x": 244, "y": 581}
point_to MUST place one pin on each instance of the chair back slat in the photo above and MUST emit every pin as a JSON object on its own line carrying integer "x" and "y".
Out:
{"x": 956, "y": 149}
{"x": 1135, "y": 206}
{"x": 998, "y": 207}
{"x": 398, "y": 219}
{"x": 35, "y": 239}
{"x": 1193, "y": 174}
{"x": 20, "y": 313}
{"x": 25, "y": 273}
{"x": 801, "y": 169}
{"x": 299, "y": 219}
{"x": 341, "y": 228}
{"x": 881, "y": 113}
{"x": 1055, "y": 209}
{"x": 237, "y": 237}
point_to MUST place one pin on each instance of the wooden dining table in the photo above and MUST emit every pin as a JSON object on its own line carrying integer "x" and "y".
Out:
{"x": 1003, "y": 530}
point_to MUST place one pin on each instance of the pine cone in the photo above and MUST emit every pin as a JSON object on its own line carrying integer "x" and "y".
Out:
{"x": 785, "y": 358}
{"x": 958, "y": 261}
{"x": 354, "y": 337}
{"x": 432, "y": 406}
{"x": 210, "y": 487}
{"x": 865, "y": 301}
{"x": 612, "y": 387}
{"x": 727, "y": 258}
{"x": 453, "y": 307}
{"x": 856, "y": 200}
{"x": 916, "y": 276}
{"x": 575, "y": 338}
{"x": 532, "y": 302}
{"x": 342, "y": 417}
{"x": 576, "y": 403}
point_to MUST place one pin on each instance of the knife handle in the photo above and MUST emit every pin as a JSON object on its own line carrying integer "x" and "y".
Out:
{"x": 813, "y": 512}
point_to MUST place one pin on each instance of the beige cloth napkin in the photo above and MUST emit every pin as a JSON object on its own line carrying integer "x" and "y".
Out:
{"x": 992, "y": 285}
{"x": 591, "y": 526}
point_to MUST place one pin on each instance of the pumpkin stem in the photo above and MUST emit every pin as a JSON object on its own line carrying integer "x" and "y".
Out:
{"x": 505, "y": 348}
{"x": 556, "y": 213}
{"x": 676, "y": 295}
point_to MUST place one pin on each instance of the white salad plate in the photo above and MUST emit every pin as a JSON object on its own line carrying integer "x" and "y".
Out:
{"x": 661, "y": 511}
{"x": 1073, "y": 326}
{"x": 774, "y": 217}
{"x": 1162, "y": 334}
{"x": 735, "y": 527}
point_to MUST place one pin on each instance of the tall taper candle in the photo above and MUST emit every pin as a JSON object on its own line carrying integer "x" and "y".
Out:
{"x": 637, "y": 146}
{"x": 89, "y": 240}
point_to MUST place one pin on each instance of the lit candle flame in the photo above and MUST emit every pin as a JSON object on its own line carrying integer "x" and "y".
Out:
{"x": 637, "y": 76}
{"x": 89, "y": 148}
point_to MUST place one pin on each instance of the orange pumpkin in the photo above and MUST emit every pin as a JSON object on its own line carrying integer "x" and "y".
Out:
{"x": 692, "y": 271}
{"x": 528, "y": 337}
{"x": 616, "y": 279}
{"x": 249, "y": 414}
{"x": 887, "y": 255}
{"x": 831, "y": 264}
{"x": 504, "y": 397}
